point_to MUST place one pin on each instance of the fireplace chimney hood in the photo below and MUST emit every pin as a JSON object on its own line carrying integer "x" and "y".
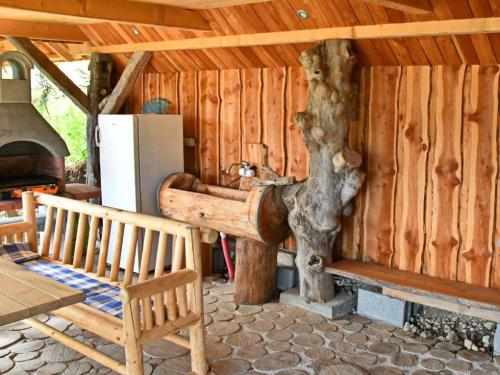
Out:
{"x": 23, "y": 131}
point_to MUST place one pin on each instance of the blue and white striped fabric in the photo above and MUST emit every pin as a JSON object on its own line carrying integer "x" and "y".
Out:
{"x": 101, "y": 296}
{"x": 17, "y": 252}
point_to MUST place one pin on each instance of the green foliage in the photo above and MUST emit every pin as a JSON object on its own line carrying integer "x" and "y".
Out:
{"x": 59, "y": 111}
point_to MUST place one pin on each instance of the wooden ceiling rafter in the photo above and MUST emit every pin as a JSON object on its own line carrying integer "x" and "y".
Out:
{"x": 365, "y": 32}
{"x": 408, "y": 6}
{"x": 42, "y": 31}
{"x": 123, "y": 11}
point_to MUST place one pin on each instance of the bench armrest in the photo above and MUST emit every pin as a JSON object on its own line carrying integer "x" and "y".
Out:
{"x": 158, "y": 285}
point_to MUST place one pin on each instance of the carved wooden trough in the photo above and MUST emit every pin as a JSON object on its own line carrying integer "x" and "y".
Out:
{"x": 258, "y": 214}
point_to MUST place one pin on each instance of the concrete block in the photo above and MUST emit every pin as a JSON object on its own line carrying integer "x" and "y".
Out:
{"x": 287, "y": 277}
{"x": 496, "y": 341}
{"x": 342, "y": 304}
{"x": 386, "y": 309}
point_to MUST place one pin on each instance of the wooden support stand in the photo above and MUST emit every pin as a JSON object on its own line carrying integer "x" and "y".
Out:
{"x": 256, "y": 265}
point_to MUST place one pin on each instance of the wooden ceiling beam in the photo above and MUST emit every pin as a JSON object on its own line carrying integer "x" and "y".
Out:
{"x": 124, "y": 11}
{"x": 52, "y": 72}
{"x": 407, "y": 6}
{"x": 6, "y": 46}
{"x": 120, "y": 93}
{"x": 391, "y": 30}
{"x": 42, "y": 31}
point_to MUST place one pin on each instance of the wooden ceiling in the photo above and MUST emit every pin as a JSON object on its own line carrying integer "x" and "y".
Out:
{"x": 280, "y": 15}
{"x": 257, "y": 16}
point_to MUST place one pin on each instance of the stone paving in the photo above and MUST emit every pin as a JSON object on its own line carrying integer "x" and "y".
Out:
{"x": 270, "y": 339}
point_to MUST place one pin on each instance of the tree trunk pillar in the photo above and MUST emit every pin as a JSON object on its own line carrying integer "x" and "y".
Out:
{"x": 317, "y": 204}
{"x": 255, "y": 279}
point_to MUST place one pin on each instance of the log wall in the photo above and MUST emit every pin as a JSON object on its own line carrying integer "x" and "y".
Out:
{"x": 430, "y": 143}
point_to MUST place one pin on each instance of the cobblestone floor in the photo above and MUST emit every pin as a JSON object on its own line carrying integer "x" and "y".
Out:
{"x": 270, "y": 339}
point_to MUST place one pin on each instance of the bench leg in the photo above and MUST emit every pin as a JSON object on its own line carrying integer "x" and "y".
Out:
{"x": 198, "y": 356}
{"x": 133, "y": 348}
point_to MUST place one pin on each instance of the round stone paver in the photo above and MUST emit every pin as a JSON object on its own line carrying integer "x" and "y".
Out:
{"x": 251, "y": 352}
{"x": 60, "y": 353}
{"x": 386, "y": 370}
{"x": 404, "y": 360}
{"x": 341, "y": 347}
{"x": 458, "y": 365}
{"x": 277, "y": 361}
{"x": 249, "y": 309}
{"x": 384, "y": 348}
{"x": 299, "y": 328}
{"x": 223, "y": 328}
{"x": 226, "y": 298}
{"x": 292, "y": 372}
{"x": 432, "y": 364}
{"x": 319, "y": 353}
{"x": 442, "y": 354}
{"x": 218, "y": 351}
{"x": 334, "y": 336}
{"x": 294, "y": 312}
{"x": 80, "y": 368}
{"x": 273, "y": 306}
{"x": 448, "y": 346}
{"x": 308, "y": 340}
{"x": 210, "y": 308}
{"x": 8, "y": 338}
{"x": 228, "y": 306}
{"x": 51, "y": 369}
{"x": 243, "y": 339}
{"x": 209, "y": 299}
{"x": 244, "y": 319}
{"x": 207, "y": 320}
{"x": 344, "y": 369}
{"x": 413, "y": 347}
{"x": 284, "y": 322}
{"x": 360, "y": 358}
{"x": 230, "y": 366}
{"x": 472, "y": 356}
{"x": 30, "y": 365}
{"x": 223, "y": 289}
{"x": 278, "y": 346}
{"x": 279, "y": 334}
{"x": 311, "y": 318}
{"x": 27, "y": 346}
{"x": 326, "y": 327}
{"x": 23, "y": 357}
{"x": 357, "y": 339}
{"x": 174, "y": 366}
{"x": 164, "y": 349}
{"x": 261, "y": 326}
{"x": 6, "y": 364}
{"x": 222, "y": 316}
{"x": 269, "y": 315}
{"x": 353, "y": 327}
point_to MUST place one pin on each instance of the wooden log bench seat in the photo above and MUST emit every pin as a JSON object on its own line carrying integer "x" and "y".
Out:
{"x": 454, "y": 296}
{"x": 128, "y": 309}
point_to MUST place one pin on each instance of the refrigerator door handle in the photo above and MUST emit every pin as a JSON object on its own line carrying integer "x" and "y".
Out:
{"x": 98, "y": 136}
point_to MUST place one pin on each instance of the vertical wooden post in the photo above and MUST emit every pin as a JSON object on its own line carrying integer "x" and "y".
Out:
{"x": 256, "y": 265}
{"x": 195, "y": 301}
{"x": 132, "y": 331}
{"x": 100, "y": 86}
{"x": 29, "y": 216}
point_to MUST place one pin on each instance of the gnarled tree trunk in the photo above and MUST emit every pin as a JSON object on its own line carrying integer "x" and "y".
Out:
{"x": 317, "y": 204}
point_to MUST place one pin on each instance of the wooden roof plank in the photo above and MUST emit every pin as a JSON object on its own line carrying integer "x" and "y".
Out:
{"x": 42, "y": 30}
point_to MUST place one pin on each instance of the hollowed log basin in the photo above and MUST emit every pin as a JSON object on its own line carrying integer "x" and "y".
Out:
{"x": 258, "y": 214}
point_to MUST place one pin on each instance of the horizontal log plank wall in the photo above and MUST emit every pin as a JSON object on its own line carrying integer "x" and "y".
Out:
{"x": 429, "y": 139}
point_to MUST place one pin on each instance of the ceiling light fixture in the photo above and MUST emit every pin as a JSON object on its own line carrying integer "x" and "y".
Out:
{"x": 135, "y": 31}
{"x": 303, "y": 14}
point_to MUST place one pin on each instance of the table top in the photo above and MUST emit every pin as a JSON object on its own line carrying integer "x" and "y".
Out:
{"x": 73, "y": 191}
{"x": 24, "y": 294}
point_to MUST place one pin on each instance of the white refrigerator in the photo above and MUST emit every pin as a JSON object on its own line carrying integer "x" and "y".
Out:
{"x": 137, "y": 152}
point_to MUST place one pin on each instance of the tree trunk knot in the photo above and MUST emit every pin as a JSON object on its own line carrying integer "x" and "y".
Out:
{"x": 315, "y": 264}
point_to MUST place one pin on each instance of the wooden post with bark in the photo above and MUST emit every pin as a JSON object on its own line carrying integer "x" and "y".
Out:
{"x": 100, "y": 68}
{"x": 317, "y": 204}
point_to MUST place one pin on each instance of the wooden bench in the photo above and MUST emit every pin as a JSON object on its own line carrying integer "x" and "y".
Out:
{"x": 454, "y": 296}
{"x": 152, "y": 308}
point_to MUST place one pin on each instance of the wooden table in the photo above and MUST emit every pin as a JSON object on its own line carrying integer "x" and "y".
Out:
{"x": 25, "y": 294}
{"x": 74, "y": 191}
